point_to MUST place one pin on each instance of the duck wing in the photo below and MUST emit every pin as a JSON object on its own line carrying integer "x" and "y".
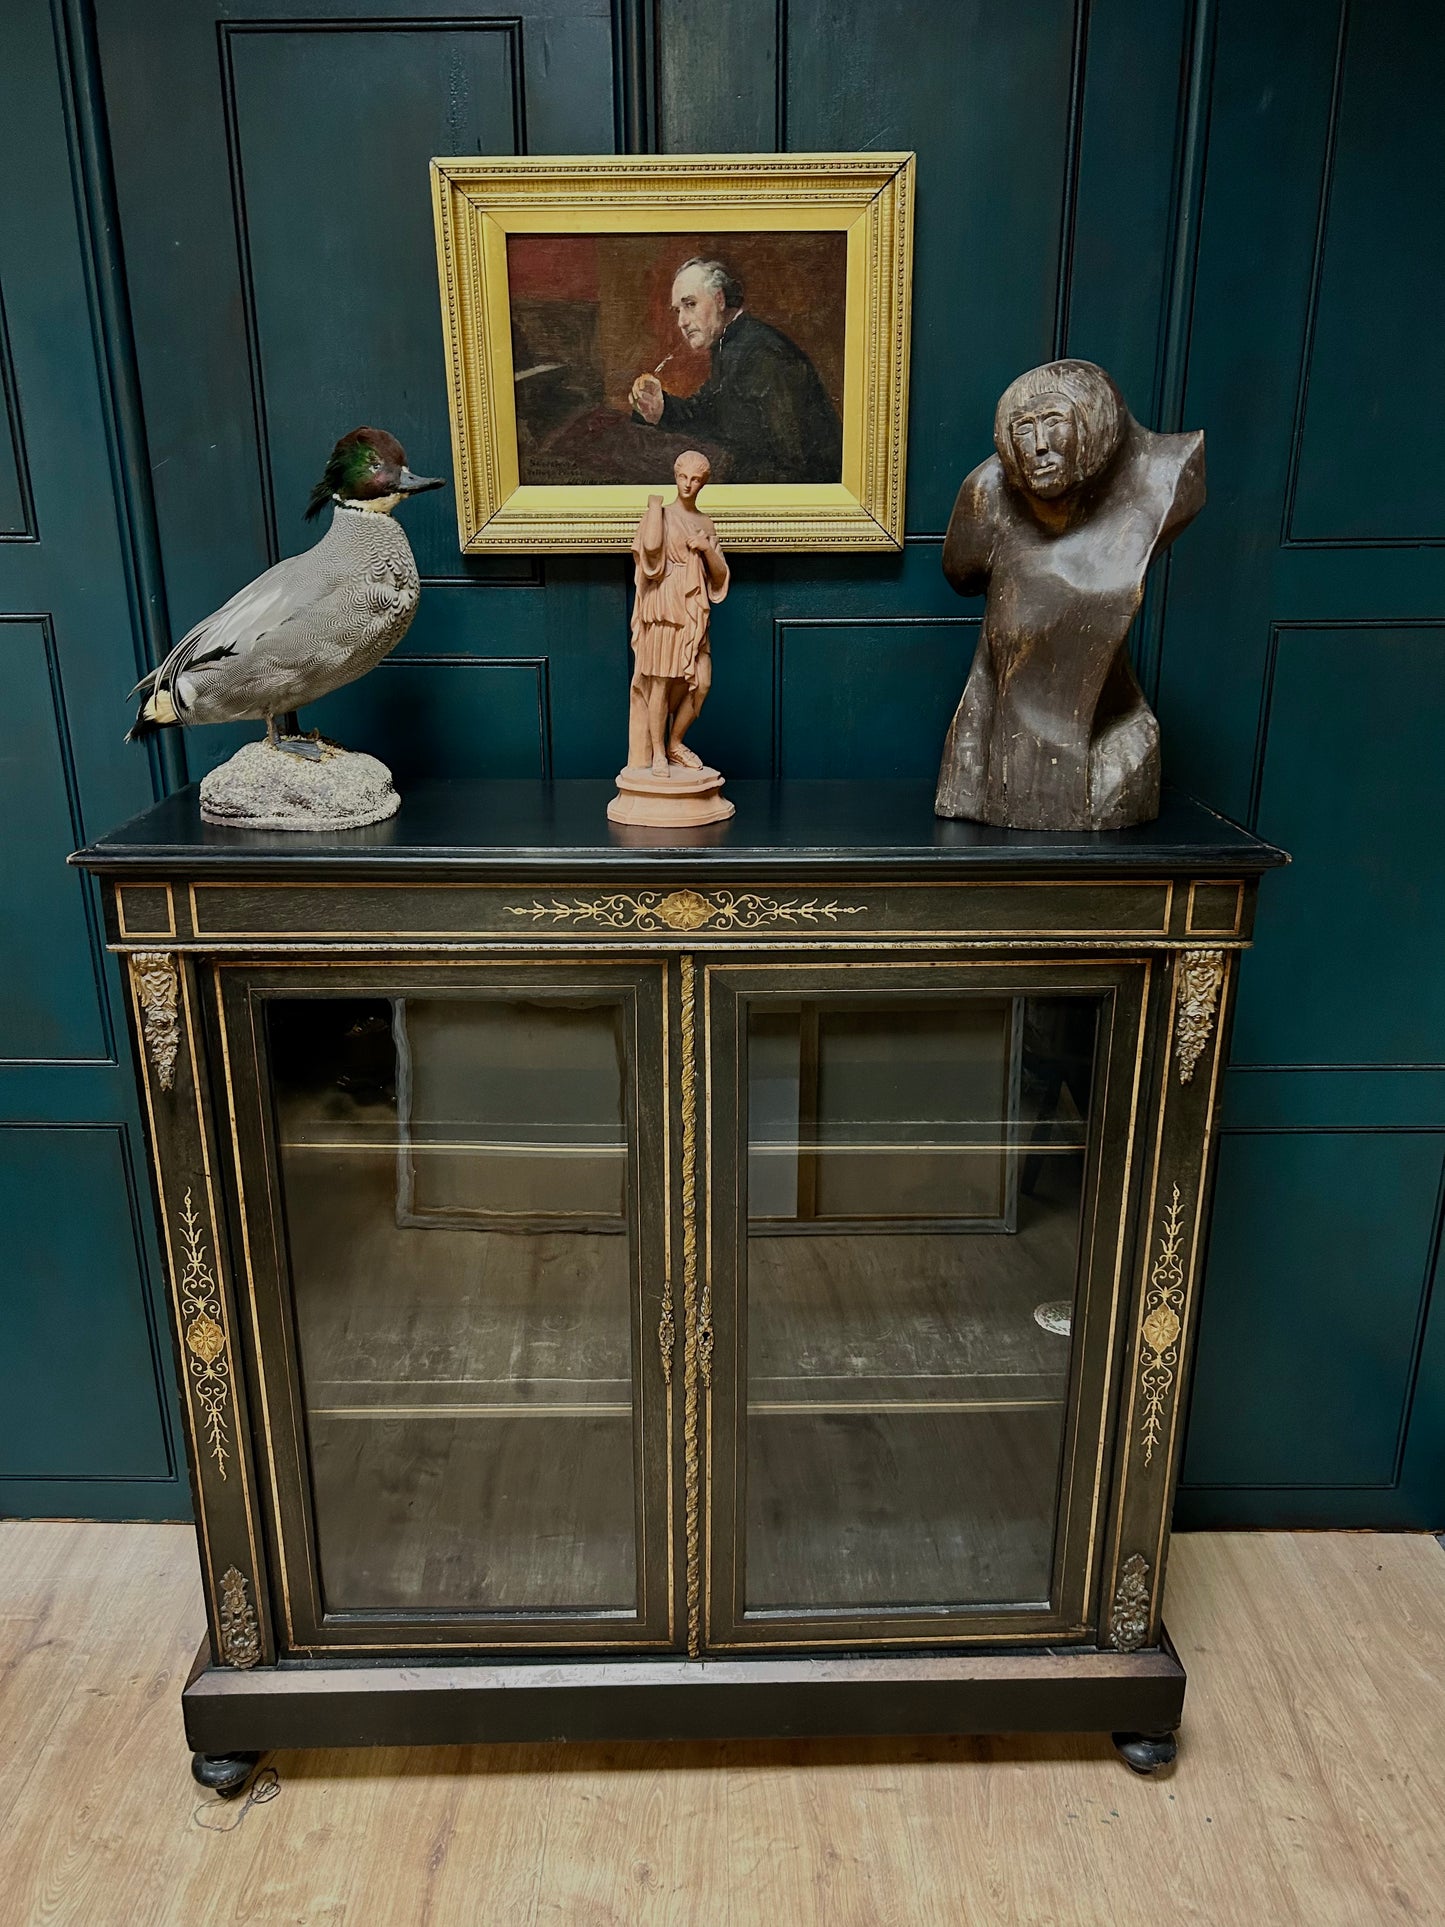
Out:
{"x": 282, "y": 593}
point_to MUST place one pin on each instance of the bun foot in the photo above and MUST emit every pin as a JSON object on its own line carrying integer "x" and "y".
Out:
{"x": 1147, "y": 1752}
{"x": 223, "y": 1773}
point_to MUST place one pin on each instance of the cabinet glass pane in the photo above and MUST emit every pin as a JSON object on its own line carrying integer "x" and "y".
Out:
{"x": 915, "y": 1182}
{"x": 456, "y": 1181}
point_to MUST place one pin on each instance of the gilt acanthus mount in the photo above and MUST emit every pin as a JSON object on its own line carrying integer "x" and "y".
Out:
{"x": 1201, "y": 977}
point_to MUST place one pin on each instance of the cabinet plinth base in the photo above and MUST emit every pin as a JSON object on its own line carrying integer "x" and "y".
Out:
{"x": 451, "y": 1703}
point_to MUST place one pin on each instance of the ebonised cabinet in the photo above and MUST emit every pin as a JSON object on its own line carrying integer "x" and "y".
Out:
{"x": 742, "y": 1284}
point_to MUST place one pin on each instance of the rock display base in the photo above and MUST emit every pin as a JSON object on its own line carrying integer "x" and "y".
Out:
{"x": 261, "y": 788}
{"x": 680, "y": 800}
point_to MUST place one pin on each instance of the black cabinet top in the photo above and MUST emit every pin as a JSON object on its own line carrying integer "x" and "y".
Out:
{"x": 532, "y": 827}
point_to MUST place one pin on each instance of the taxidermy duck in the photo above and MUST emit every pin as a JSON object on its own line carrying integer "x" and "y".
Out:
{"x": 311, "y": 623}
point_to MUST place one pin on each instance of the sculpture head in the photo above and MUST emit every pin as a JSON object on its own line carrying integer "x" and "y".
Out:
{"x": 691, "y": 471}
{"x": 1058, "y": 426}
{"x": 705, "y": 297}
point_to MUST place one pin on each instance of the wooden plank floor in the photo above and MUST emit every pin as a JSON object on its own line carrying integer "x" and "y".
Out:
{"x": 1310, "y": 1786}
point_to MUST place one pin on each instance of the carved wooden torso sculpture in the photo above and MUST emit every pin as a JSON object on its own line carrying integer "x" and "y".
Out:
{"x": 1058, "y": 529}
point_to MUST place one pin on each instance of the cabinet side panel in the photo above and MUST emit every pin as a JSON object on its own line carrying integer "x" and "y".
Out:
{"x": 1171, "y": 1228}
{"x": 171, "y": 1058}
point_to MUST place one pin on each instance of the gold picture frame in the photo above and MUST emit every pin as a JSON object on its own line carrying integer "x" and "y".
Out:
{"x": 867, "y": 199}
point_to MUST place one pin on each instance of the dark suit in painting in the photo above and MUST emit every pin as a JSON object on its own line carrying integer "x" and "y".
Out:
{"x": 765, "y": 406}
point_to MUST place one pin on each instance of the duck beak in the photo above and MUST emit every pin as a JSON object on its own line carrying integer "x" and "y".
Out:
{"x": 410, "y": 484}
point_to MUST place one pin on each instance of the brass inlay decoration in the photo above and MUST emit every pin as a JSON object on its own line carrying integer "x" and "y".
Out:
{"x": 686, "y": 910}
{"x": 205, "y": 1336}
{"x": 1195, "y": 926}
{"x": 697, "y": 1346}
{"x": 1162, "y": 1323}
{"x": 1129, "y": 1621}
{"x": 666, "y": 1329}
{"x": 240, "y": 1640}
{"x": 153, "y": 972}
{"x": 1201, "y": 973}
{"x": 133, "y": 922}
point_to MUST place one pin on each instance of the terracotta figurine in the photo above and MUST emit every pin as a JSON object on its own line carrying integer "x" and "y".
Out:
{"x": 680, "y": 573}
{"x": 1057, "y": 529}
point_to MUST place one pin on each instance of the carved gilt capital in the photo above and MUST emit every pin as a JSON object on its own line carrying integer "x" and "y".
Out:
{"x": 1201, "y": 975}
{"x": 153, "y": 973}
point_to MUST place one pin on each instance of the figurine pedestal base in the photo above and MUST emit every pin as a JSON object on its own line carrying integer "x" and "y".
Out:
{"x": 679, "y": 800}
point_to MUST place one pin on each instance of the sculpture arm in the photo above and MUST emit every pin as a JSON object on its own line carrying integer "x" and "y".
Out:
{"x": 649, "y": 544}
{"x": 1188, "y": 488}
{"x": 715, "y": 565}
{"x": 968, "y": 545}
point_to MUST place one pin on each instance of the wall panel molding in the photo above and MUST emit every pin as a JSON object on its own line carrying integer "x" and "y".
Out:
{"x": 1283, "y": 626}
{"x": 93, "y": 188}
{"x": 1393, "y": 1332}
{"x": 636, "y": 85}
{"x": 78, "y": 1373}
{"x": 19, "y": 524}
{"x": 1171, "y": 367}
{"x": 1352, "y": 23}
{"x": 849, "y": 729}
{"x": 230, "y": 35}
{"x": 30, "y": 957}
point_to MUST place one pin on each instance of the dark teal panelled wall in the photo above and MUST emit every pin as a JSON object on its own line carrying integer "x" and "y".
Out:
{"x": 1213, "y": 197}
{"x": 87, "y": 1411}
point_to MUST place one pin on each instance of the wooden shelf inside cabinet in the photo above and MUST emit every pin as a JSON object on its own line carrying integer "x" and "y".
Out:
{"x": 738, "y": 1282}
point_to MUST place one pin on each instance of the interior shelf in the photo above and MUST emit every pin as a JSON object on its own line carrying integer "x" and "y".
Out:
{"x": 476, "y": 1323}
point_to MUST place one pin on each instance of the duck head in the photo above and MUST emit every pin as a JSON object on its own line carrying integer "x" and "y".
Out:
{"x": 368, "y": 469}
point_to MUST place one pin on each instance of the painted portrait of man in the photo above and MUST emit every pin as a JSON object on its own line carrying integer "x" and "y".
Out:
{"x": 763, "y": 401}
{"x": 629, "y": 349}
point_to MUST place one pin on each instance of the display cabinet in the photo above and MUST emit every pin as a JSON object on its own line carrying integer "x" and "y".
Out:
{"x": 736, "y": 1285}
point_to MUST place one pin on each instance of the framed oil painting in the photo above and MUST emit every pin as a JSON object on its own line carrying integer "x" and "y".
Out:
{"x": 603, "y": 315}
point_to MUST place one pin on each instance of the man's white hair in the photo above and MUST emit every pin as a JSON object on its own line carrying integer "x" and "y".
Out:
{"x": 718, "y": 277}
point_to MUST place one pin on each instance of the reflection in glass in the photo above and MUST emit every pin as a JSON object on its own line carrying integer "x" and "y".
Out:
{"x": 455, "y": 1179}
{"x": 915, "y": 1178}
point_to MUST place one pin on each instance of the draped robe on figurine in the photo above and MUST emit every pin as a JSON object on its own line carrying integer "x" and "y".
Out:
{"x": 674, "y": 595}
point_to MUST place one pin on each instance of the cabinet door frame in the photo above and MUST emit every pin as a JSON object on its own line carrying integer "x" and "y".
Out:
{"x": 305, "y": 1628}
{"x": 1105, "y": 1254}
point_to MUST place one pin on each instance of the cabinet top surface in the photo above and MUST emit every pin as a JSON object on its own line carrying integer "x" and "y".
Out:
{"x": 531, "y": 827}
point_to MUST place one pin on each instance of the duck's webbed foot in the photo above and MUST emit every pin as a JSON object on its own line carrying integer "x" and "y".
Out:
{"x": 312, "y": 748}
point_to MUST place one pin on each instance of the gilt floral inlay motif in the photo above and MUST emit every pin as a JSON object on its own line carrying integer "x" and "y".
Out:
{"x": 1162, "y": 1323}
{"x": 203, "y": 1323}
{"x": 686, "y": 910}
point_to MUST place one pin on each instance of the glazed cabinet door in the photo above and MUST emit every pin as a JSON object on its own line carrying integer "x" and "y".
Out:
{"x": 451, "y": 1196}
{"x": 917, "y": 1185}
